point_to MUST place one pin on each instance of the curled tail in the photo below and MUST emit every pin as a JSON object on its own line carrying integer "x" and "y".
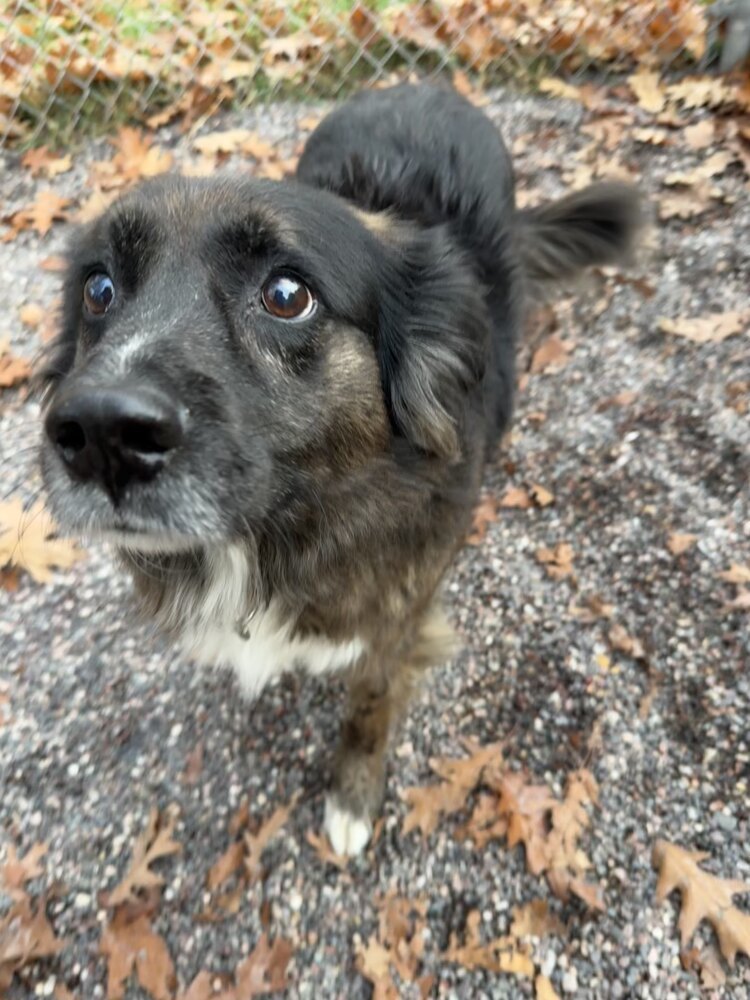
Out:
{"x": 597, "y": 225}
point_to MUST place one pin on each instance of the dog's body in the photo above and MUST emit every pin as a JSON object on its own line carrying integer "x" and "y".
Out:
{"x": 289, "y": 489}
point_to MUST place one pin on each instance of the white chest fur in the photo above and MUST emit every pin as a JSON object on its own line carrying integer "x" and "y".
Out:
{"x": 265, "y": 647}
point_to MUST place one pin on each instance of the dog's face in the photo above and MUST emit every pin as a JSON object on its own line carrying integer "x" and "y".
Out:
{"x": 231, "y": 346}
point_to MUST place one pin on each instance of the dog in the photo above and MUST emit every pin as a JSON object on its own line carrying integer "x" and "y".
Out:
{"x": 276, "y": 399}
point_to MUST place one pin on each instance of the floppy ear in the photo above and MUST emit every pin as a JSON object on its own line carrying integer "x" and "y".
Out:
{"x": 432, "y": 334}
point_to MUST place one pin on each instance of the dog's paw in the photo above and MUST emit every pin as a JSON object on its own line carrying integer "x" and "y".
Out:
{"x": 349, "y": 834}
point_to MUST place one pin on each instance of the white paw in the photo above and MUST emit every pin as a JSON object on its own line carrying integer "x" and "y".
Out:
{"x": 348, "y": 834}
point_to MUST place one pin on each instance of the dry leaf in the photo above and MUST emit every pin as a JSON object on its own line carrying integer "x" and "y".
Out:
{"x": 566, "y": 863}
{"x": 559, "y": 88}
{"x": 707, "y": 329}
{"x": 684, "y": 204}
{"x": 541, "y": 496}
{"x": 648, "y": 90}
{"x": 25, "y": 936}
{"x": 700, "y": 135}
{"x": 516, "y": 497}
{"x": 374, "y": 963}
{"x": 136, "y": 157}
{"x": 533, "y": 919}
{"x": 27, "y": 541}
{"x": 17, "y": 871}
{"x": 265, "y": 968}
{"x": 132, "y": 946}
{"x": 678, "y": 543}
{"x": 460, "y": 777}
{"x": 256, "y": 843}
{"x": 226, "y": 866}
{"x": 322, "y": 847}
{"x": 42, "y": 161}
{"x": 736, "y": 574}
{"x": 704, "y": 897}
{"x": 558, "y": 561}
{"x": 553, "y": 354}
{"x": 154, "y": 843}
{"x": 502, "y": 954}
{"x": 13, "y": 370}
{"x": 31, "y": 315}
{"x": 544, "y": 989}
{"x": 49, "y": 207}
{"x": 741, "y": 602}
{"x": 526, "y": 808}
{"x": 625, "y": 643}
{"x": 485, "y": 513}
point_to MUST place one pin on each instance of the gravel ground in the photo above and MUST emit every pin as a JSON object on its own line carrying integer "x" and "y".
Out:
{"x": 104, "y": 716}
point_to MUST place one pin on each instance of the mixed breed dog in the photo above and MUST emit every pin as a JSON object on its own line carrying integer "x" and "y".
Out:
{"x": 275, "y": 399}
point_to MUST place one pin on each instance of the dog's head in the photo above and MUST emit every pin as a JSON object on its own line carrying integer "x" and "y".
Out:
{"x": 230, "y": 345}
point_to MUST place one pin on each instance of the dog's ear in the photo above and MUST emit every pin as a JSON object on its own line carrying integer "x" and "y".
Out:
{"x": 431, "y": 341}
{"x": 596, "y": 225}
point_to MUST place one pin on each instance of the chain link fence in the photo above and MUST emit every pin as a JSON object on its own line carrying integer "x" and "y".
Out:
{"x": 68, "y": 67}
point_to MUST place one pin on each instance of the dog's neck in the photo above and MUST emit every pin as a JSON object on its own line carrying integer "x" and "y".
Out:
{"x": 216, "y": 586}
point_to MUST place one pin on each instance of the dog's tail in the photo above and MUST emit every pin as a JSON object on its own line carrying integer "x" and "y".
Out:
{"x": 595, "y": 226}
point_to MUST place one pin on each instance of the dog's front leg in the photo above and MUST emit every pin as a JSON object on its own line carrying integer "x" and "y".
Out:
{"x": 359, "y": 767}
{"x": 379, "y": 694}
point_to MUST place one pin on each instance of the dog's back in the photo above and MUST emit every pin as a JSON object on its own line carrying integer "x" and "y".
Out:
{"x": 424, "y": 153}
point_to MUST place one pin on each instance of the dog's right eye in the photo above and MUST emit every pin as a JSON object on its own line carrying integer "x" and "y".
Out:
{"x": 98, "y": 293}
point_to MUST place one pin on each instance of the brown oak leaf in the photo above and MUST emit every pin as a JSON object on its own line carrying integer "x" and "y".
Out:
{"x": 154, "y": 843}
{"x": 704, "y": 897}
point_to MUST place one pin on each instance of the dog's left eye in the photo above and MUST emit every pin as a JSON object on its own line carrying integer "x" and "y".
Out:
{"x": 98, "y": 293}
{"x": 287, "y": 297}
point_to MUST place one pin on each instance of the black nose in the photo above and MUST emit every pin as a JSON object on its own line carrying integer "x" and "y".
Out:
{"x": 115, "y": 435}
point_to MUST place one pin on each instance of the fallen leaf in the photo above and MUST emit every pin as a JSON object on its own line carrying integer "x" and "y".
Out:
{"x": 42, "y": 161}
{"x": 736, "y": 574}
{"x": 516, "y": 497}
{"x": 544, "y": 989}
{"x": 132, "y": 946}
{"x": 17, "y": 871}
{"x": 648, "y": 90}
{"x": 701, "y": 92}
{"x": 13, "y": 369}
{"x": 625, "y": 643}
{"x": 373, "y": 961}
{"x": 707, "y": 329}
{"x": 31, "y": 315}
{"x": 534, "y": 919}
{"x": 557, "y": 561}
{"x": 553, "y": 354}
{"x": 27, "y": 540}
{"x": 559, "y": 88}
{"x": 154, "y": 843}
{"x": 485, "y": 513}
{"x": 700, "y": 135}
{"x": 526, "y": 808}
{"x": 460, "y": 777}
{"x": 265, "y": 968}
{"x": 541, "y": 496}
{"x": 322, "y": 847}
{"x": 135, "y": 158}
{"x": 25, "y": 936}
{"x": 741, "y": 602}
{"x": 566, "y": 863}
{"x": 256, "y": 843}
{"x": 704, "y": 897}
{"x": 227, "y": 865}
{"x": 502, "y": 954}
{"x": 49, "y": 207}
{"x": 678, "y": 543}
